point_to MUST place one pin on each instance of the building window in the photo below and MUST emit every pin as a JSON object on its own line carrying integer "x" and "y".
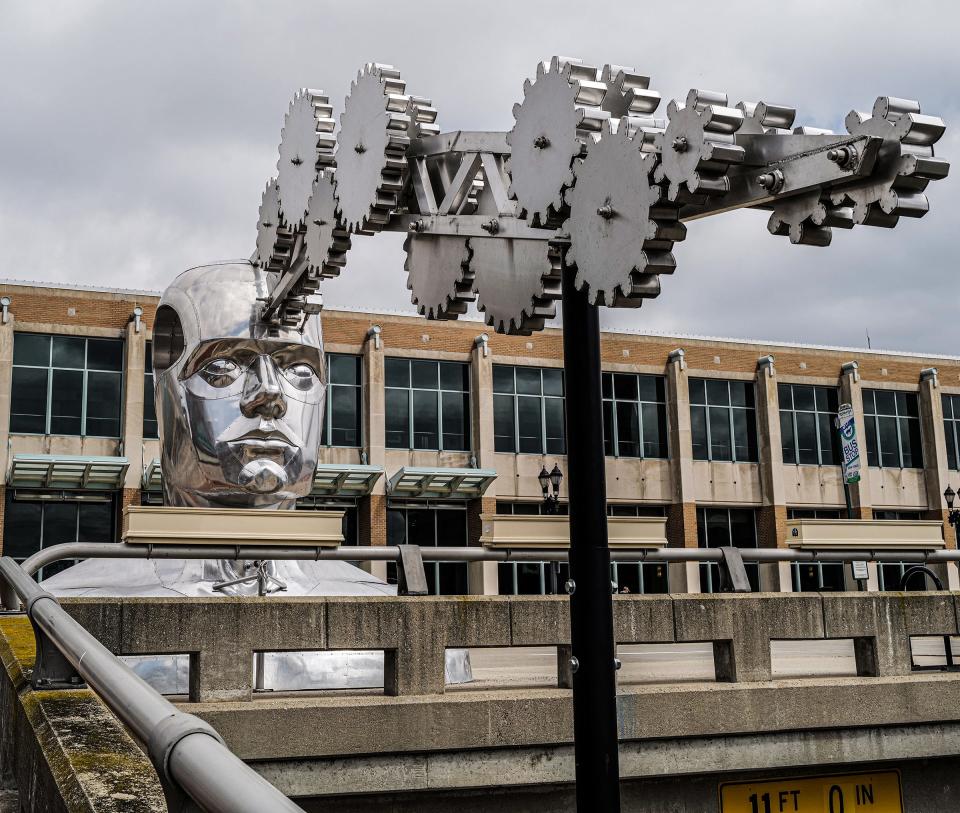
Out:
{"x": 951, "y": 426}
{"x": 343, "y": 416}
{"x": 889, "y": 574}
{"x": 150, "y": 429}
{"x": 427, "y": 405}
{"x": 816, "y": 577}
{"x": 892, "y": 424}
{"x": 431, "y": 526}
{"x": 723, "y": 420}
{"x": 634, "y": 415}
{"x": 720, "y": 527}
{"x": 807, "y": 431}
{"x": 528, "y": 410}
{"x": 37, "y": 520}
{"x": 66, "y": 385}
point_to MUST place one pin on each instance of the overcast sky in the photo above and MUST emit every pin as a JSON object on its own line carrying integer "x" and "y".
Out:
{"x": 135, "y": 139}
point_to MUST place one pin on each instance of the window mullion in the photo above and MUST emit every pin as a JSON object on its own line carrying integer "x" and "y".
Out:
{"x": 733, "y": 437}
{"x": 411, "y": 438}
{"x": 896, "y": 418}
{"x": 615, "y": 421}
{"x": 49, "y": 399}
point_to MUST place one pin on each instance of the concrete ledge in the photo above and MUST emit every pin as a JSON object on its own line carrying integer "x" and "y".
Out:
{"x": 337, "y": 726}
{"x": 64, "y": 749}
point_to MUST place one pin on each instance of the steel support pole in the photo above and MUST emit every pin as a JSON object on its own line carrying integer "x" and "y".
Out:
{"x": 591, "y": 603}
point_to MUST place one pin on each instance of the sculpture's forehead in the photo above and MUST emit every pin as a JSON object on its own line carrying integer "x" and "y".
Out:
{"x": 223, "y": 301}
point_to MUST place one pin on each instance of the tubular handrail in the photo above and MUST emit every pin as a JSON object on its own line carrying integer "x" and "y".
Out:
{"x": 188, "y": 753}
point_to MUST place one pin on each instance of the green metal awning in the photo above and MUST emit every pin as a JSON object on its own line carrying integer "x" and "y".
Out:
{"x": 440, "y": 483}
{"x": 152, "y": 476}
{"x": 345, "y": 479}
{"x": 67, "y": 471}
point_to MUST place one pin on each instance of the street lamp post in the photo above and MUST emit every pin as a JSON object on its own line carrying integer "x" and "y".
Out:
{"x": 953, "y": 514}
{"x": 550, "y": 483}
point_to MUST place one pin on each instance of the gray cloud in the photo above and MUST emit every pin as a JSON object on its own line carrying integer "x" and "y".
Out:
{"x": 136, "y": 139}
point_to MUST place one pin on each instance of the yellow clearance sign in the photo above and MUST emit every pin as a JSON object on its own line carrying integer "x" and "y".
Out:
{"x": 846, "y": 793}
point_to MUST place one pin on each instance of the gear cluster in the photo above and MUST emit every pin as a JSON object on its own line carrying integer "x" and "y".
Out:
{"x": 588, "y": 179}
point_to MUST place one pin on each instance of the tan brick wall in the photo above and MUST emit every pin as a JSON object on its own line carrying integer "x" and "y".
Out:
{"x": 372, "y": 520}
{"x": 772, "y": 526}
{"x": 475, "y": 508}
{"x": 682, "y": 525}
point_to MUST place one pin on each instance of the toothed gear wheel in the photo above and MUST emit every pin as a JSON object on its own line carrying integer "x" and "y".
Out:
{"x": 697, "y": 148}
{"x": 423, "y": 117}
{"x": 763, "y": 117}
{"x": 371, "y": 149}
{"x": 904, "y": 167}
{"x": 621, "y": 232}
{"x": 274, "y": 242}
{"x": 306, "y": 147}
{"x": 439, "y": 274}
{"x": 325, "y": 240}
{"x": 559, "y": 112}
{"x": 808, "y": 219}
{"x": 518, "y": 282}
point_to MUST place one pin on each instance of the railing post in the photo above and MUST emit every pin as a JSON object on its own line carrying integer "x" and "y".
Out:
{"x": 411, "y": 576}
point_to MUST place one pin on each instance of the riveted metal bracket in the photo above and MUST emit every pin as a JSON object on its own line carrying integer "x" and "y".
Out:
{"x": 412, "y": 579}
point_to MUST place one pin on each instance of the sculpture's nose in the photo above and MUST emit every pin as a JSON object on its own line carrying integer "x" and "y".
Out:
{"x": 262, "y": 394}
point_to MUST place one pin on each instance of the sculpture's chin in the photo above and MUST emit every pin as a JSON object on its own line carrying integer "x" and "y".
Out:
{"x": 263, "y": 476}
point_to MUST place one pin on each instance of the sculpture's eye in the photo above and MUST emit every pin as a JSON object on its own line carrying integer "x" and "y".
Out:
{"x": 301, "y": 375}
{"x": 220, "y": 372}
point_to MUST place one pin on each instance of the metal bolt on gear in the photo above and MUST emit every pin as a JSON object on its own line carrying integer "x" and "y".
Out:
{"x": 274, "y": 241}
{"x": 905, "y": 166}
{"x": 621, "y": 232}
{"x": 306, "y": 147}
{"x": 518, "y": 282}
{"x": 697, "y": 148}
{"x": 371, "y": 149}
{"x": 559, "y": 111}
{"x": 439, "y": 275}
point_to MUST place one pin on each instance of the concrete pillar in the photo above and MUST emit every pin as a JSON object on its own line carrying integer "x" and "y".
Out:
{"x": 6, "y": 378}
{"x": 373, "y": 509}
{"x": 682, "y": 512}
{"x": 772, "y": 516}
{"x": 851, "y": 392}
{"x": 135, "y": 348}
{"x": 482, "y": 576}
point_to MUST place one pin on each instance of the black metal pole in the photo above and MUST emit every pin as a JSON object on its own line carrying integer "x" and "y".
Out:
{"x": 591, "y": 604}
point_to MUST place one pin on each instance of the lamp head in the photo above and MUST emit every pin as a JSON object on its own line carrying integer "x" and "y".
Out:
{"x": 544, "y": 479}
{"x": 556, "y": 476}
{"x": 949, "y": 495}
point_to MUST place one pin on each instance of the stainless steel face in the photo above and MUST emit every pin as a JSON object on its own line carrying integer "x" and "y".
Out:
{"x": 239, "y": 403}
{"x": 325, "y": 240}
{"x": 306, "y": 148}
{"x": 559, "y": 111}
{"x": 621, "y": 233}
{"x": 439, "y": 275}
{"x": 517, "y": 282}
{"x": 905, "y": 166}
{"x": 371, "y": 148}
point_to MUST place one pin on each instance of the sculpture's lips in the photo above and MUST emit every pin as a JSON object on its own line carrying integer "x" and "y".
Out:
{"x": 272, "y": 446}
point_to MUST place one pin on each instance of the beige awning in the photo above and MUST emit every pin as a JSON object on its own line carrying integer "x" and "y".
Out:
{"x": 67, "y": 471}
{"x": 440, "y": 483}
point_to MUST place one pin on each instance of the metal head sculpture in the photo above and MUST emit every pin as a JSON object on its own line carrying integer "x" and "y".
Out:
{"x": 239, "y": 402}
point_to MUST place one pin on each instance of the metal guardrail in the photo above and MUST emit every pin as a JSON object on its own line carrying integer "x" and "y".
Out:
{"x": 189, "y": 755}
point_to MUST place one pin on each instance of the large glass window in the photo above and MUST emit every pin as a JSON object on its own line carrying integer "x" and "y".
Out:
{"x": 951, "y": 426}
{"x": 889, "y": 574}
{"x": 343, "y": 417}
{"x": 528, "y": 410}
{"x": 816, "y": 577}
{"x": 31, "y": 524}
{"x": 634, "y": 415}
{"x": 66, "y": 385}
{"x": 427, "y": 404}
{"x": 431, "y": 526}
{"x": 150, "y": 429}
{"x": 892, "y": 425}
{"x": 723, "y": 420}
{"x": 720, "y": 527}
{"x": 807, "y": 432}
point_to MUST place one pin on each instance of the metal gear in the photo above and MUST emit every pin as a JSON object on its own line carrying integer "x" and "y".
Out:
{"x": 371, "y": 148}
{"x": 274, "y": 241}
{"x": 306, "y": 148}
{"x": 763, "y": 117}
{"x": 697, "y": 147}
{"x": 621, "y": 232}
{"x": 518, "y": 282}
{"x": 808, "y": 219}
{"x": 905, "y": 166}
{"x": 559, "y": 111}
{"x": 325, "y": 240}
{"x": 439, "y": 275}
